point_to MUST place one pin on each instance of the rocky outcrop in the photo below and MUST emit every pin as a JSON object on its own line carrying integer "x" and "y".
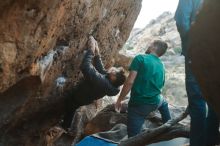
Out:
{"x": 163, "y": 27}
{"x": 41, "y": 46}
{"x": 204, "y": 51}
{"x": 152, "y": 126}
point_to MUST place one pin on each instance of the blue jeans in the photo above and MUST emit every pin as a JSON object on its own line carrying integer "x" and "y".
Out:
{"x": 212, "y": 128}
{"x": 197, "y": 104}
{"x": 137, "y": 114}
{"x": 201, "y": 127}
{"x": 204, "y": 130}
{"x": 197, "y": 108}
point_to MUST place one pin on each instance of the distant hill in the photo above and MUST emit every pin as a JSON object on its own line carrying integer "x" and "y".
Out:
{"x": 163, "y": 27}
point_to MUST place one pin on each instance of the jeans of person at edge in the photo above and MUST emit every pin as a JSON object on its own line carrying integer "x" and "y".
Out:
{"x": 212, "y": 128}
{"x": 197, "y": 108}
{"x": 138, "y": 113}
{"x": 201, "y": 125}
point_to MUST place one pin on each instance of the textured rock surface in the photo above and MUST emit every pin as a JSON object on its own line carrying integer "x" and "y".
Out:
{"x": 204, "y": 50}
{"x": 43, "y": 40}
{"x": 163, "y": 27}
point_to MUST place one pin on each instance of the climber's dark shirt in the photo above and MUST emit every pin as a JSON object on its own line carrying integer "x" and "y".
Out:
{"x": 95, "y": 84}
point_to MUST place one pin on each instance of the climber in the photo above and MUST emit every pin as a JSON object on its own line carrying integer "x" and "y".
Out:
{"x": 97, "y": 82}
{"x": 146, "y": 79}
{"x": 203, "y": 130}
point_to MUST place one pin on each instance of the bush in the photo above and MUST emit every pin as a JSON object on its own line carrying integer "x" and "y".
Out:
{"x": 177, "y": 50}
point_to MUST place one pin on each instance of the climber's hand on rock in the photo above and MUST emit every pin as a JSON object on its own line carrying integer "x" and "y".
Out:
{"x": 97, "y": 49}
{"x": 92, "y": 44}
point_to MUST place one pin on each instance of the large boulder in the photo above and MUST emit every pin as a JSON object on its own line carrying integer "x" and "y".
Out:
{"x": 41, "y": 47}
{"x": 204, "y": 51}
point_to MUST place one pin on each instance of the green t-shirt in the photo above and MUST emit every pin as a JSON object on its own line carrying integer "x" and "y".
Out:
{"x": 149, "y": 80}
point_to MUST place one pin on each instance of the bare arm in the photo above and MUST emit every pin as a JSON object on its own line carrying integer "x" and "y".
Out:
{"x": 126, "y": 88}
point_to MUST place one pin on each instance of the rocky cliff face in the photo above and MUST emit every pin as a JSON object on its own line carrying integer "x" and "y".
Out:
{"x": 163, "y": 28}
{"x": 41, "y": 46}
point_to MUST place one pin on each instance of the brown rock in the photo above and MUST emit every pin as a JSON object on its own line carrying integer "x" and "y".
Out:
{"x": 46, "y": 39}
{"x": 204, "y": 50}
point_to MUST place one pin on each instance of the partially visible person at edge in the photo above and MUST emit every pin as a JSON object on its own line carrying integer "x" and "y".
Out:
{"x": 96, "y": 84}
{"x": 204, "y": 130}
{"x": 145, "y": 80}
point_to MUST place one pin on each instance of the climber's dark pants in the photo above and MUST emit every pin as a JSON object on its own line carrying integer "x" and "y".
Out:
{"x": 70, "y": 108}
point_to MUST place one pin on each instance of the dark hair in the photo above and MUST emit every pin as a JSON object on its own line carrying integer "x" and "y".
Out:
{"x": 120, "y": 77}
{"x": 161, "y": 47}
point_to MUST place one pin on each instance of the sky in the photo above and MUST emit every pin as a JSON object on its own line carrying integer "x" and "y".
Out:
{"x": 152, "y": 9}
